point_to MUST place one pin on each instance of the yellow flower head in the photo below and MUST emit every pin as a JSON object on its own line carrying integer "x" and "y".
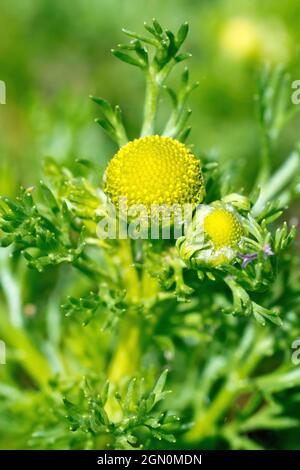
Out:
{"x": 223, "y": 228}
{"x": 154, "y": 170}
{"x": 214, "y": 236}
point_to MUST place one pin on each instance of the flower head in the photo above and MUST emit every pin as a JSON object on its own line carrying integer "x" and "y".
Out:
{"x": 256, "y": 39}
{"x": 214, "y": 236}
{"x": 154, "y": 170}
{"x": 223, "y": 228}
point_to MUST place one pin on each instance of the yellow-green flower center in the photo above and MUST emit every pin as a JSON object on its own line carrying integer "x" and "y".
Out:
{"x": 154, "y": 170}
{"x": 223, "y": 228}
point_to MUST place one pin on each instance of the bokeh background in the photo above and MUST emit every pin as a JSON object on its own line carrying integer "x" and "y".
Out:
{"x": 54, "y": 54}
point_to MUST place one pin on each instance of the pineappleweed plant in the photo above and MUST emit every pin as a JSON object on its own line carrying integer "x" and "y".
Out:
{"x": 213, "y": 313}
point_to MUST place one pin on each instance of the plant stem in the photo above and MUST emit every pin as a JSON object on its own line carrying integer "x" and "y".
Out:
{"x": 126, "y": 358}
{"x": 121, "y": 135}
{"x": 207, "y": 419}
{"x": 150, "y": 104}
{"x": 11, "y": 290}
{"x": 32, "y": 361}
{"x": 265, "y": 168}
{"x": 277, "y": 182}
{"x": 154, "y": 82}
{"x": 130, "y": 276}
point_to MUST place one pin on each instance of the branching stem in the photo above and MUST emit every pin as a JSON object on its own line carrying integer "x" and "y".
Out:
{"x": 235, "y": 383}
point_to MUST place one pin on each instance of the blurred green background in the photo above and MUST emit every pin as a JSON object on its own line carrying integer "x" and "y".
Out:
{"x": 54, "y": 54}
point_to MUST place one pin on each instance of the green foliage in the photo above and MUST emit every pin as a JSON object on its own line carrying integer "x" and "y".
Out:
{"x": 85, "y": 308}
{"x": 156, "y": 65}
{"x": 89, "y": 422}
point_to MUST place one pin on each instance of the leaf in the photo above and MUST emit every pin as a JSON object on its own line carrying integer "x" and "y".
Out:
{"x": 142, "y": 54}
{"x": 262, "y": 313}
{"x": 104, "y": 393}
{"x": 86, "y": 163}
{"x": 127, "y": 58}
{"x": 172, "y": 49}
{"x": 182, "y": 137}
{"x": 159, "y": 386}
{"x": 157, "y": 27}
{"x": 172, "y": 95}
{"x": 49, "y": 197}
{"x": 107, "y": 126}
{"x": 154, "y": 33}
{"x": 279, "y": 380}
{"x": 182, "y": 34}
{"x": 181, "y": 57}
{"x": 129, "y": 398}
{"x": 165, "y": 437}
{"x": 105, "y": 106}
{"x": 140, "y": 37}
{"x": 185, "y": 77}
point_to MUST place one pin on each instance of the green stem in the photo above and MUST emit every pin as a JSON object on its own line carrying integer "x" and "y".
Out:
{"x": 130, "y": 276}
{"x": 121, "y": 134}
{"x": 207, "y": 420}
{"x": 154, "y": 82}
{"x": 126, "y": 358}
{"x": 11, "y": 291}
{"x": 265, "y": 168}
{"x": 125, "y": 361}
{"x": 150, "y": 104}
{"x": 277, "y": 182}
{"x": 33, "y": 362}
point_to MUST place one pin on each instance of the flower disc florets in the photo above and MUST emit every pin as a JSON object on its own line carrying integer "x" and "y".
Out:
{"x": 154, "y": 170}
{"x": 214, "y": 236}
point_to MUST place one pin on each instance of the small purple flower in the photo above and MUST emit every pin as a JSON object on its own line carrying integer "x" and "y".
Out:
{"x": 247, "y": 258}
{"x": 267, "y": 250}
